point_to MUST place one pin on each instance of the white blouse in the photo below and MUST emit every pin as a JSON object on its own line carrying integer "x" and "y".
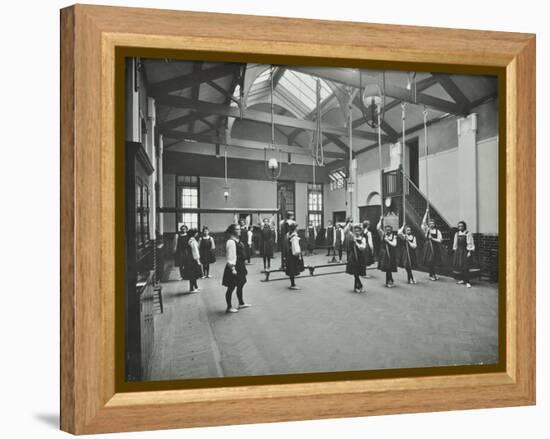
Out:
{"x": 194, "y": 249}
{"x": 295, "y": 244}
{"x": 231, "y": 252}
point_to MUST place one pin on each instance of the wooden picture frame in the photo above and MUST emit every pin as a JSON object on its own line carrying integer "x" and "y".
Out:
{"x": 91, "y": 402}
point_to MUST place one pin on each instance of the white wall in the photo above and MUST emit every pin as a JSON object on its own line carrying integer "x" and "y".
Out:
{"x": 243, "y": 193}
{"x": 335, "y": 201}
{"x": 487, "y": 197}
{"x": 443, "y": 181}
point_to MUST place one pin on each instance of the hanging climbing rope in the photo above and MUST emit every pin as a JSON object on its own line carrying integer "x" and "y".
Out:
{"x": 273, "y": 167}
{"x": 350, "y": 144}
{"x": 425, "y": 113}
{"x": 403, "y": 149}
{"x": 317, "y": 138}
{"x": 380, "y": 166}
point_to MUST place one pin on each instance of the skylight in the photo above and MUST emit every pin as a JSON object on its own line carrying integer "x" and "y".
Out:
{"x": 303, "y": 87}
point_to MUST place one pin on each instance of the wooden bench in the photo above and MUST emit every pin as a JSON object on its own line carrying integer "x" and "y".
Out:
{"x": 310, "y": 268}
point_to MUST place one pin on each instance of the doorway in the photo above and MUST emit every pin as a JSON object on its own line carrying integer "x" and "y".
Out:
{"x": 411, "y": 160}
{"x": 339, "y": 217}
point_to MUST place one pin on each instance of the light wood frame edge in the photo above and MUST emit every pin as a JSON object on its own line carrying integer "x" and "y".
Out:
{"x": 89, "y": 403}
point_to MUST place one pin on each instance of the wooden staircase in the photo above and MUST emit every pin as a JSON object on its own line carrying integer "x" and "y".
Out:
{"x": 415, "y": 207}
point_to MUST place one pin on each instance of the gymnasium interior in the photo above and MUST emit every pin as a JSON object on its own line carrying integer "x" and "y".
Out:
{"x": 211, "y": 143}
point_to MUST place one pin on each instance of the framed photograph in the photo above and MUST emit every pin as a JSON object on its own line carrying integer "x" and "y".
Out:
{"x": 270, "y": 219}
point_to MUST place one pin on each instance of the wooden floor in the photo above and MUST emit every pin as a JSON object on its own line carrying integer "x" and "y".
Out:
{"x": 323, "y": 327}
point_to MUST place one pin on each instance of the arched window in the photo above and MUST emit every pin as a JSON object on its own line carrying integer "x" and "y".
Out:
{"x": 373, "y": 199}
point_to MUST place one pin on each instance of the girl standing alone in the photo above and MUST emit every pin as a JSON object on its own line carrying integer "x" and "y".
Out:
{"x": 408, "y": 256}
{"x": 387, "y": 262}
{"x": 234, "y": 275}
{"x": 181, "y": 249}
{"x": 192, "y": 269}
{"x": 267, "y": 241}
{"x": 356, "y": 264}
{"x": 294, "y": 260}
{"x": 432, "y": 246}
{"x": 463, "y": 247}
{"x": 206, "y": 250}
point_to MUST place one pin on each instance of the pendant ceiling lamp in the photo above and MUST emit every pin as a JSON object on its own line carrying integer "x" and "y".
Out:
{"x": 373, "y": 98}
{"x": 226, "y": 188}
{"x": 273, "y": 165}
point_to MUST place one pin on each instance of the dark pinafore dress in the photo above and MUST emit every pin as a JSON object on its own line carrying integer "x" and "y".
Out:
{"x": 387, "y": 261}
{"x": 461, "y": 261}
{"x": 244, "y": 241}
{"x": 294, "y": 263}
{"x": 432, "y": 250}
{"x": 207, "y": 253}
{"x": 181, "y": 249}
{"x": 330, "y": 237}
{"x": 408, "y": 254}
{"x": 310, "y": 239}
{"x": 236, "y": 280}
{"x": 369, "y": 254}
{"x": 338, "y": 244}
{"x": 191, "y": 268}
{"x": 266, "y": 242}
{"x": 356, "y": 264}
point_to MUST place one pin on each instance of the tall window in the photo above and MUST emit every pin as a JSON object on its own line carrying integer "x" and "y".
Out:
{"x": 286, "y": 191}
{"x": 142, "y": 213}
{"x": 315, "y": 204}
{"x": 337, "y": 178}
{"x": 187, "y": 193}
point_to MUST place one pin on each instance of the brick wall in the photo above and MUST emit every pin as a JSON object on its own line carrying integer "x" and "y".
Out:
{"x": 487, "y": 255}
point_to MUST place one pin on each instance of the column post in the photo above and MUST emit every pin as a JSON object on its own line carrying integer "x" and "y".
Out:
{"x": 467, "y": 171}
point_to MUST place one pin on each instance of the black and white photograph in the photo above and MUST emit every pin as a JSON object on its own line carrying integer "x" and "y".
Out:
{"x": 287, "y": 219}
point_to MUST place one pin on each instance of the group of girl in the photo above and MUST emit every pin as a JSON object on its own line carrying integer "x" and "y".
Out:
{"x": 194, "y": 252}
{"x": 360, "y": 251}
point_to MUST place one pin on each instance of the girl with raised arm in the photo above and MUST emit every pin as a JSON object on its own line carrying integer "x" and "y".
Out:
{"x": 408, "y": 255}
{"x": 339, "y": 241}
{"x": 369, "y": 251}
{"x": 432, "y": 246}
{"x": 463, "y": 247}
{"x": 387, "y": 262}
{"x": 234, "y": 275}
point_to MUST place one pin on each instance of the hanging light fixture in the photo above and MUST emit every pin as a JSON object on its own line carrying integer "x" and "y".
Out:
{"x": 273, "y": 166}
{"x": 226, "y": 187}
{"x": 373, "y": 99}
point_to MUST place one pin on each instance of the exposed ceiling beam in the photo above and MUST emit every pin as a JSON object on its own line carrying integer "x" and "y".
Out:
{"x": 310, "y": 116}
{"x": 386, "y": 127}
{"x": 197, "y": 68}
{"x": 453, "y": 91}
{"x": 227, "y": 94}
{"x": 336, "y": 140}
{"x": 193, "y": 78}
{"x": 409, "y": 131}
{"x": 351, "y": 78}
{"x": 241, "y": 143}
{"x": 257, "y": 116}
{"x": 279, "y": 72}
{"x": 178, "y": 121}
{"x": 392, "y": 135}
